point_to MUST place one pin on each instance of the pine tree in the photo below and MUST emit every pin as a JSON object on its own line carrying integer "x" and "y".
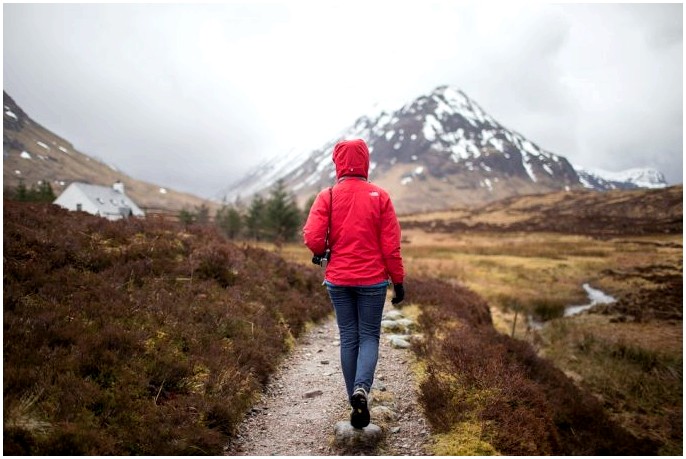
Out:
{"x": 202, "y": 214}
{"x": 283, "y": 217}
{"x": 255, "y": 219}
{"x": 45, "y": 193}
{"x": 22, "y": 194}
{"x": 230, "y": 221}
{"x": 186, "y": 217}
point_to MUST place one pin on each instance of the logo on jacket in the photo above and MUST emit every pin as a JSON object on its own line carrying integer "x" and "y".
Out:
{"x": 374, "y": 193}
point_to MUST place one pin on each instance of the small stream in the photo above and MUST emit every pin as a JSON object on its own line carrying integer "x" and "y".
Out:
{"x": 595, "y": 297}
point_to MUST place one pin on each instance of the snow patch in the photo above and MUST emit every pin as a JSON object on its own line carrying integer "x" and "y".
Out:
{"x": 25, "y": 155}
{"x": 431, "y": 128}
{"x": 498, "y": 144}
{"x": 163, "y": 191}
{"x": 641, "y": 177}
{"x": 63, "y": 149}
{"x": 41, "y": 144}
{"x": 11, "y": 114}
{"x": 405, "y": 180}
{"x": 526, "y": 162}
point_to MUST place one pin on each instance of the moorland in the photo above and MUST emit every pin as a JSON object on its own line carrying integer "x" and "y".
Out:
{"x": 146, "y": 337}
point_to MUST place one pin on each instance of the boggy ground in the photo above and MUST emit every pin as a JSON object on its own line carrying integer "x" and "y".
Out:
{"x": 306, "y": 398}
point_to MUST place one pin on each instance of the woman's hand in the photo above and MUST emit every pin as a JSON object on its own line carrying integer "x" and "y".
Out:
{"x": 399, "y": 294}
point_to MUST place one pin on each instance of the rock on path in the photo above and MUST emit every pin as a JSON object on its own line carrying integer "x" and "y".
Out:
{"x": 306, "y": 399}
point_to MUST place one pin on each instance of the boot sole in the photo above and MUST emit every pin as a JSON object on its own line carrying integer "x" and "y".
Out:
{"x": 359, "y": 418}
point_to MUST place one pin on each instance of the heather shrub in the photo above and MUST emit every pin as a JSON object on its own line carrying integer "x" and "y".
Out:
{"x": 137, "y": 337}
{"x": 481, "y": 381}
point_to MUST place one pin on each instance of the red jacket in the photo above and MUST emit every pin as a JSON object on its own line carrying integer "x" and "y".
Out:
{"x": 365, "y": 233}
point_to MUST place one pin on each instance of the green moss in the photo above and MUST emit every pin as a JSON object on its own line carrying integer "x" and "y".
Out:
{"x": 464, "y": 440}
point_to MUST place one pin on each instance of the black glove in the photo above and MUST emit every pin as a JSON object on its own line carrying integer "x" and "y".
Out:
{"x": 399, "y": 294}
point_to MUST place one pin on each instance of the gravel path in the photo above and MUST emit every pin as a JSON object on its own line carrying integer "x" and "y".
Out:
{"x": 306, "y": 398}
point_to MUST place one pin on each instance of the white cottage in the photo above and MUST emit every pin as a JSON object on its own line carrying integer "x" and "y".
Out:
{"x": 111, "y": 203}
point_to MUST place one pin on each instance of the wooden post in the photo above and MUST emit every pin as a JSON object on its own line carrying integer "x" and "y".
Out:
{"x": 514, "y": 324}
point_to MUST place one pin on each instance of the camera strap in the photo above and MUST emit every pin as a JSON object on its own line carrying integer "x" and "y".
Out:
{"x": 328, "y": 229}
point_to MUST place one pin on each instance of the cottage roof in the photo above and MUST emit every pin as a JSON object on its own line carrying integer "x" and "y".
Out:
{"x": 108, "y": 200}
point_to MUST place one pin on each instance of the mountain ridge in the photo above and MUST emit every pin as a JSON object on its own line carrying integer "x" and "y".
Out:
{"x": 437, "y": 151}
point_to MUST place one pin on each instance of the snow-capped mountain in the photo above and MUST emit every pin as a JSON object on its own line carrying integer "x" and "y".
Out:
{"x": 630, "y": 178}
{"x": 439, "y": 151}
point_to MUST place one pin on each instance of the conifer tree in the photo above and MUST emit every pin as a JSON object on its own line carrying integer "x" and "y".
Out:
{"x": 45, "y": 193}
{"x": 22, "y": 193}
{"x": 230, "y": 221}
{"x": 186, "y": 217}
{"x": 202, "y": 214}
{"x": 283, "y": 217}
{"x": 255, "y": 219}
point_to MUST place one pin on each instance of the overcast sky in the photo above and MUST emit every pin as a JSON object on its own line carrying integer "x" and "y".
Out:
{"x": 193, "y": 96}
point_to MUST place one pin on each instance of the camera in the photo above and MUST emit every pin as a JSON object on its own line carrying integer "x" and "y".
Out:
{"x": 323, "y": 259}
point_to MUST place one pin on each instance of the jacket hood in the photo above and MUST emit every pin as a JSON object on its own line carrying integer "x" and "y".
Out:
{"x": 351, "y": 158}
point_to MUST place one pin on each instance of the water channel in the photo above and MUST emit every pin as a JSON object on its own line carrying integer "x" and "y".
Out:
{"x": 595, "y": 297}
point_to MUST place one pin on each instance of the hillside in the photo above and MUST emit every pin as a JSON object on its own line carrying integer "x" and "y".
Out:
{"x": 137, "y": 337}
{"x": 639, "y": 211}
{"x": 439, "y": 151}
{"x": 33, "y": 153}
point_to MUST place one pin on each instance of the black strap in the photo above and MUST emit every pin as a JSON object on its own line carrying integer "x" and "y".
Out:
{"x": 328, "y": 229}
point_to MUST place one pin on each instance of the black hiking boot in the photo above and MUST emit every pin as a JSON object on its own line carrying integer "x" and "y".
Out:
{"x": 359, "y": 417}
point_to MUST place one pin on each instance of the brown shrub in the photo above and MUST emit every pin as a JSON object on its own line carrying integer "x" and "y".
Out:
{"x": 138, "y": 337}
{"x": 529, "y": 406}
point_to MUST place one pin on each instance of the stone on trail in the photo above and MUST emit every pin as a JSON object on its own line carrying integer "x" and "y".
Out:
{"x": 349, "y": 437}
{"x": 391, "y": 325}
{"x": 313, "y": 393}
{"x": 400, "y": 343}
{"x": 393, "y": 315}
{"x": 406, "y": 323}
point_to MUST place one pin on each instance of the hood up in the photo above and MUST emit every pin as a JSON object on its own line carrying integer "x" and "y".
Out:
{"x": 351, "y": 158}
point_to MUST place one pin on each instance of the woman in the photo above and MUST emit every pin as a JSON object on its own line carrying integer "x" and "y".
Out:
{"x": 356, "y": 221}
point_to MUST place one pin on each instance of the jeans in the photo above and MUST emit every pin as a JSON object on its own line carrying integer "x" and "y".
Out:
{"x": 358, "y": 313}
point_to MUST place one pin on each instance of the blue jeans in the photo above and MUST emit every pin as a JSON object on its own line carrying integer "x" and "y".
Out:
{"x": 358, "y": 313}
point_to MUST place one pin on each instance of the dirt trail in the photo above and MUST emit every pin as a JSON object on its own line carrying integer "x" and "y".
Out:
{"x": 306, "y": 398}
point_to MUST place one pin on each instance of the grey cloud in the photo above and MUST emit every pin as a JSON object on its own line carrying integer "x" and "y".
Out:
{"x": 192, "y": 96}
